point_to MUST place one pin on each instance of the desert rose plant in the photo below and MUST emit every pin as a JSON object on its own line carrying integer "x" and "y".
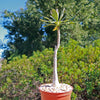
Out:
{"x": 56, "y": 19}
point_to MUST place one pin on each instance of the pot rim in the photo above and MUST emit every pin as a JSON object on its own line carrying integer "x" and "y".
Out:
{"x": 55, "y": 92}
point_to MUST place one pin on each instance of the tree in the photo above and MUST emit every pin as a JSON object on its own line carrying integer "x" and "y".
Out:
{"x": 84, "y": 12}
{"x": 24, "y": 26}
{"x": 23, "y": 29}
{"x": 56, "y": 20}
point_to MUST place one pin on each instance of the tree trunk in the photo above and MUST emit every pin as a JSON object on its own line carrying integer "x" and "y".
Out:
{"x": 55, "y": 75}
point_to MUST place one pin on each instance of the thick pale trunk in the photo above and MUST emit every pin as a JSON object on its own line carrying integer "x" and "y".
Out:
{"x": 55, "y": 75}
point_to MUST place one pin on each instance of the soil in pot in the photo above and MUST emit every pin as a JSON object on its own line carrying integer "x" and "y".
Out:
{"x": 49, "y": 92}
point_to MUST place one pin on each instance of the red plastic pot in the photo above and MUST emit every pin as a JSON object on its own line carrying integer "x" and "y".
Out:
{"x": 55, "y": 96}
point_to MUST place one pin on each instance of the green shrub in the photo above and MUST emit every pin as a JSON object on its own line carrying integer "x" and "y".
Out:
{"x": 77, "y": 66}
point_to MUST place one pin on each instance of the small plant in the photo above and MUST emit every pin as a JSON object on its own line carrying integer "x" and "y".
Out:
{"x": 56, "y": 20}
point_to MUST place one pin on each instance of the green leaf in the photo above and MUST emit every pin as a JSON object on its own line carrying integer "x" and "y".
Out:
{"x": 71, "y": 22}
{"x": 54, "y": 14}
{"x": 65, "y": 21}
{"x": 48, "y": 25}
{"x": 44, "y": 20}
{"x": 9, "y": 80}
{"x": 62, "y": 14}
{"x": 47, "y": 18}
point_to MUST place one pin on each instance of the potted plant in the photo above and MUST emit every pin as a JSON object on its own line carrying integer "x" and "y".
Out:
{"x": 56, "y": 90}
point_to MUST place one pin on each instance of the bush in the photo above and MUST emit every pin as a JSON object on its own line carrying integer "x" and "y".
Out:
{"x": 77, "y": 66}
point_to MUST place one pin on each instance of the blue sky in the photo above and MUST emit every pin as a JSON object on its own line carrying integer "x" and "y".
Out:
{"x": 11, "y": 5}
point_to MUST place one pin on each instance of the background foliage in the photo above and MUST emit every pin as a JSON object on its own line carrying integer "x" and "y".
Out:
{"x": 24, "y": 26}
{"x": 77, "y": 66}
{"x": 29, "y": 50}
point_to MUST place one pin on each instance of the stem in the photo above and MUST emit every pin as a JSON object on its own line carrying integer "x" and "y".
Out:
{"x": 58, "y": 38}
{"x": 55, "y": 75}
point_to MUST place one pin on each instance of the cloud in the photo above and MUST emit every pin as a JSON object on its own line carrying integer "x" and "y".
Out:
{"x": 1, "y": 50}
{"x": 3, "y": 32}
